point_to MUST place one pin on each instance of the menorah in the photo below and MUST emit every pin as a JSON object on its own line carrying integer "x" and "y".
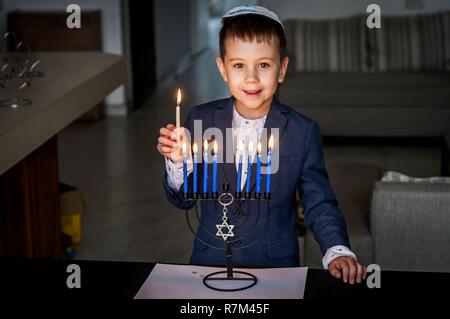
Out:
{"x": 225, "y": 231}
{"x": 225, "y": 199}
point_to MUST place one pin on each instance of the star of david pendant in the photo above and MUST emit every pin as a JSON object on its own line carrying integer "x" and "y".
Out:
{"x": 229, "y": 229}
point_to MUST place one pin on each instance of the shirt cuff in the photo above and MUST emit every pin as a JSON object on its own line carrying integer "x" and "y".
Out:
{"x": 335, "y": 252}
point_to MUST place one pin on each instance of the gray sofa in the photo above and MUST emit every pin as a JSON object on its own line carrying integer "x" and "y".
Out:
{"x": 410, "y": 226}
{"x": 381, "y": 104}
{"x": 398, "y": 225}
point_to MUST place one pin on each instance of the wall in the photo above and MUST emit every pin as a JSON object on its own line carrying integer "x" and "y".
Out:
{"x": 111, "y": 31}
{"x": 322, "y": 9}
{"x": 199, "y": 25}
{"x": 172, "y": 35}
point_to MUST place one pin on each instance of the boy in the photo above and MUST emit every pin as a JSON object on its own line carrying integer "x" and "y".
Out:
{"x": 252, "y": 62}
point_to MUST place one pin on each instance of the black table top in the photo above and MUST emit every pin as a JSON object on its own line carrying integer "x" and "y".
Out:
{"x": 45, "y": 278}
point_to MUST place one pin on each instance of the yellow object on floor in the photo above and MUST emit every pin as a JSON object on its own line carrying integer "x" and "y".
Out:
{"x": 72, "y": 205}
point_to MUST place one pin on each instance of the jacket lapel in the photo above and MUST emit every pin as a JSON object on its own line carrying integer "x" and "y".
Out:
{"x": 276, "y": 118}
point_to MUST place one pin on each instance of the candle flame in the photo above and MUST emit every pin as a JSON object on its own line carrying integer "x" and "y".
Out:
{"x": 184, "y": 148}
{"x": 259, "y": 148}
{"x": 270, "y": 142}
{"x": 205, "y": 146}
{"x": 215, "y": 147}
{"x": 194, "y": 148}
{"x": 179, "y": 97}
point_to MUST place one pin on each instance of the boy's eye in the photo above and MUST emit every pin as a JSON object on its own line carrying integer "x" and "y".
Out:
{"x": 264, "y": 65}
{"x": 238, "y": 65}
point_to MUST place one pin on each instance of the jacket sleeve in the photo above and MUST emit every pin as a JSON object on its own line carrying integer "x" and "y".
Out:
{"x": 176, "y": 197}
{"x": 322, "y": 214}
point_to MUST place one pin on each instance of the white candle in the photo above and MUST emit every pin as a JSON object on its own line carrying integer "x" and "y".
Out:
{"x": 178, "y": 115}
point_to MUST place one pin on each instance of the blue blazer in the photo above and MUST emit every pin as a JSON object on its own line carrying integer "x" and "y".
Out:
{"x": 265, "y": 231}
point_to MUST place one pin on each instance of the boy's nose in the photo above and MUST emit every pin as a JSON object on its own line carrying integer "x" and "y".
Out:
{"x": 251, "y": 76}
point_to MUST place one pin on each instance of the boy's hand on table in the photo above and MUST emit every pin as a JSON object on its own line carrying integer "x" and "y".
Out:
{"x": 167, "y": 143}
{"x": 348, "y": 269}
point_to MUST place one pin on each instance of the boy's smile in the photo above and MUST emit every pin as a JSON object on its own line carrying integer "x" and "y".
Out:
{"x": 252, "y": 71}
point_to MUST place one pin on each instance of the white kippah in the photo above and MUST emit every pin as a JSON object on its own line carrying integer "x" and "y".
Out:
{"x": 247, "y": 9}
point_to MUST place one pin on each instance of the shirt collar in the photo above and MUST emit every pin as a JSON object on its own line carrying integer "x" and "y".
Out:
{"x": 240, "y": 121}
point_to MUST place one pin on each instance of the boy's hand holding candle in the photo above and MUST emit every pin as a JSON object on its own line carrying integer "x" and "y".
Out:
{"x": 172, "y": 137}
{"x": 167, "y": 143}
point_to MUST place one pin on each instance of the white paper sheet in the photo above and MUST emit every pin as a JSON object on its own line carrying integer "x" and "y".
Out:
{"x": 186, "y": 282}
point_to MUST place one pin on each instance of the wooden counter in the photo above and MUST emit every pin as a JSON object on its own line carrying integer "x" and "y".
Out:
{"x": 73, "y": 82}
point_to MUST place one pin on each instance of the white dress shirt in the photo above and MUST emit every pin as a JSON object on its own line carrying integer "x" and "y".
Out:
{"x": 244, "y": 131}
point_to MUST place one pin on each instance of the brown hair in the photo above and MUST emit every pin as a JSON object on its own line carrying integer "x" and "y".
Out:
{"x": 248, "y": 27}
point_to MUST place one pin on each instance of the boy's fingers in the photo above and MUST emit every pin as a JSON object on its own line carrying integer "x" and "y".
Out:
{"x": 335, "y": 272}
{"x": 166, "y": 150}
{"x": 170, "y": 132}
{"x": 174, "y": 135}
{"x": 161, "y": 149}
{"x": 352, "y": 270}
{"x": 165, "y": 132}
{"x": 344, "y": 267}
{"x": 166, "y": 141}
{"x": 360, "y": 272}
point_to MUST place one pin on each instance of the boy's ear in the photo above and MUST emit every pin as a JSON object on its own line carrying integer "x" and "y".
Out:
{"x": 221, "y": 67}
{"x": 283, "y": 69}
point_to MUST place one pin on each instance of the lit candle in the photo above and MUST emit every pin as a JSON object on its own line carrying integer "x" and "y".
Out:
{"x": 258, "y": 171}
{"x": 269, "y": 165}
{"x": 205, "y": 167}
{"x": 185, "y": 180}
{"x": 239, "y": 173}
{"x": 178, "y": 115}
{"x": 214, "y": 185}
{"x": 249, "y": 168}
{"x": 194, "y": 148}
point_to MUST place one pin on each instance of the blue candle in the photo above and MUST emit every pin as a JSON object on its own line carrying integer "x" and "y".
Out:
{"x": 185, "y": 180}
{"x": 269, "y": 164}
{"x": 258, "y": 170}
{"x": 214, "y": 185}
{"x": 239, "y": 173}
{"x": 205, "y": 166}
{"x": 249, "y": 168}
{"x": 195, "y": 168}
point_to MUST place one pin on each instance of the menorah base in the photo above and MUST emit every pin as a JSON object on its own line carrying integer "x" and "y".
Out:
{"x": 14, "y": 102}
{"x": 223, "y": 282}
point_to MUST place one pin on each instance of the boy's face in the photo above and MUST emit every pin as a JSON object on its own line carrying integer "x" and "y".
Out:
{"x": 252, "y": 71}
